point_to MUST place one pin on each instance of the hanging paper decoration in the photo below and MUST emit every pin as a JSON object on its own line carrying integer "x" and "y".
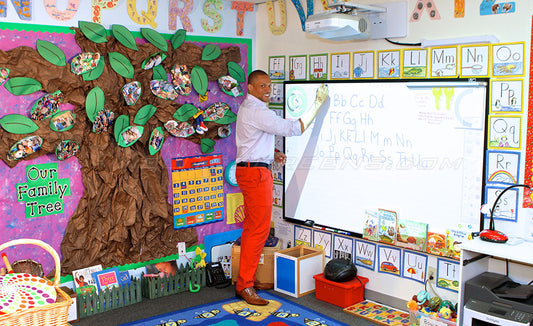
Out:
{"x": 130, "y": 135}
{"x": 153, "y": 61}
{"x": 121, "y": 64}
{"x": 18, "y": 124}
{"x": 207, "y": 145}
{"x": 242, "y": 8}
{"x": 131, "y": 92}
{"x": 180, "y": 130}
{"x": 419, "y": 9}
{"x": 212, "y": 13}
{"x": 181, "y": 79}
{"x": 94, "y": 102}
{"x": 146, "y": 17}
{"x": 492, "y": 7}
{"x": 124, "y": 36}
{"x": 174, "y": 11}
{"x": 144, "y": 114}
{"x": 62, "y": 120}
{"x": 23, "y": 9}
{"x": 230, "y": 86}
{"x": 93, "y": 31}
{"x": 84, "y": 62}
{"x": 178, "y": 38}
{"x": 61, "y": 15}
{"x": 277, "y": 30}
{"x": 459, "y": 10}
{"x": 66, "y": 149}
{"x": 155, "y": 38}
{"x": 163, "y": 89}
{"x": 156, "y": 140}
{"x": 211, "y": 52}
{"x": 4, "y": 73}
{"x": 98, "y": 6}
{"x": 24, "y": 147}
{"x": 103, "y": 121}
{"x": 301, "y": 13}
{"x": 22, "y": 85}
{"x": 185, "y": 112}
{"x": 122, "y": 122}
{"x": 46, "y": 106}
{"x": 51, "y": 53}
{"x": 96, "y": 72}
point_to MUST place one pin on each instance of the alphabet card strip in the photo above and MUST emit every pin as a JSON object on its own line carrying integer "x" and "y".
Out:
{"x": 365, "y": 254}
{"x": 508, "y": 59}
{"x": 318, "y": 66}
{"x": 302, "y": 236}
{"x": 276, "y": 93}
{"x": 448, "y": 274}
{"x": 475, "y": 60}
{"x": 415, "y": 62}
{"x": 443, "y": 61}
{"x": 389, "y": 259}
{"x": 323, "y": 240}
{"x": 342, "y": 247}
{"x": 504, "y": 132}
{"x": 297, "y": 67}
{"x": 363, "y": 64}
{"x": 389, "y": 63}
{"x": 340, "y": 65}
{"x": 506, "y": 95}
{"x": 502, "y": 167}
{"x": 507, "y": 205}
{"x": 276, "y": 67}
{"x": 414, "y": 266}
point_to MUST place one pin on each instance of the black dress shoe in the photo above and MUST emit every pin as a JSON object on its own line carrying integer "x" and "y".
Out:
{"x": 250, "y": 296}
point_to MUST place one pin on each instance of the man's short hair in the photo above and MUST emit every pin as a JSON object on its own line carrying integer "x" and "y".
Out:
{"x": 255, "y": 74}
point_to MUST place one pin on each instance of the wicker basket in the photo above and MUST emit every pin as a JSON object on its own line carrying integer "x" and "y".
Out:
{"x": 48, "y": 315}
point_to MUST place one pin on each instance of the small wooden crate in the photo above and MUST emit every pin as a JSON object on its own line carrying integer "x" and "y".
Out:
{"x": 185, "y": 279}
{"x": 106, "y": 300}
{"x": 294, "y": 269}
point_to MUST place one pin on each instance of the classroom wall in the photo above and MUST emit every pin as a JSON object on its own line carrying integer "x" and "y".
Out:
{"x": 510, "y": 27}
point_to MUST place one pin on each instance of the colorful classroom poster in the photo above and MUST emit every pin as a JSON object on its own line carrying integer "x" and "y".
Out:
{"x": 389, "y": 259}
{"x": 415, "y": 63}
{"x": 506, "y": 95}
{"x": 276, "y": 93}
{"x": 475, "y": 60}
{"x": 447, "y": 274}
{"x": 197, "y": 190}
{"x": 297, "y": 67}
{"x": 363, "y": 64}
{"x": 318, "y": 66}
{"x": 340, "y": 65}
{"x": 502, "y": 167}
{"x": 365, "y": 254}
{"x": 389, "y": 64}
{"x": 276, "y": 67}
{"x": 342, "y": 247}
{"x": 505, "y": 132}
{"x": 507, "y": 205}
{"x": 323, "y": 240}
{"x": 508, "y": 59}
{"x": 277, "y": 195}
{"x": 414, "y": 266}
{"x": 234, "y": 208}
{"x": 443, "y": 61}
{"x": 302, "y": 236}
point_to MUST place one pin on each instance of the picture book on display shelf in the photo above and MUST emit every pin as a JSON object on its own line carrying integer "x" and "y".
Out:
{"x": 454, "y": 237}
{"x": 84, "y": 282}
{"x": 436, "y": 243}
{"x": 370, "y": 229}
{"x": 411, "y": 234}
{"x": 387, "y": 226}
{"x": 107, "y": 279}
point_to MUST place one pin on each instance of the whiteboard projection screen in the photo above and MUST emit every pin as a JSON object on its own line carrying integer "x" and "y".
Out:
{"x": 415, "y": 147}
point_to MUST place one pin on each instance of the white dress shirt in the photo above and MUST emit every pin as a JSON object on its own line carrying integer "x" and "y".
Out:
{"x": 256, "y": 128}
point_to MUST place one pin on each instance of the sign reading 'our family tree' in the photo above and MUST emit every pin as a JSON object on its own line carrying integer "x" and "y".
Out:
{"x": 43, "y": 191}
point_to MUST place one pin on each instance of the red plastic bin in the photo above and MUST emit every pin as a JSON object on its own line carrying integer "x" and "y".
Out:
{"x": 342, "y": 294}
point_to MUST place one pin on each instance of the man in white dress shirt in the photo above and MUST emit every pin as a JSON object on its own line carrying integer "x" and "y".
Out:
{"x": 255, "y": 133}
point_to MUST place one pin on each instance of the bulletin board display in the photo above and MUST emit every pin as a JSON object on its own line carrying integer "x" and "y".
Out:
{"x": 197, "y": 190}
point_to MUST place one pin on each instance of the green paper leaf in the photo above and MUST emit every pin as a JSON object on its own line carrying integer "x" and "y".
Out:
{"x": 155, "y": 38}
{"x": 121, "y": 65}
{"x": 22, "y": 85}
{"x": 236, "y": 72}
{"x": 211, "y": 52}
{"x": 18, "y": 124}
{"x": 144, "y": 114}
{"x": 132, "y": 131}
{"x": 121, "y": 123}
{"x": 124, "y": 36}
{"x": 178, "y": 38}
{"x": 96, "y": 72}
{"x": 229, "y": 117}
{"x": 199, "y": 80}
{"x": 185, "y": 112}
{"x": 207, "y": 145}
{"x": 51, "y": 53}
{"x": 93, "y": 31}
{"x": 94, "y": 102}
{"x": 159, "y": 73}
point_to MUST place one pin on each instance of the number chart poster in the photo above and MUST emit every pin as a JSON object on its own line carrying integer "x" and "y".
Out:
{"x": 197, "y": 190}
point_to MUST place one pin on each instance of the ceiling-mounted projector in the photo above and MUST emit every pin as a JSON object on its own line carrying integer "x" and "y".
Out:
{"x": 338, "y": 26}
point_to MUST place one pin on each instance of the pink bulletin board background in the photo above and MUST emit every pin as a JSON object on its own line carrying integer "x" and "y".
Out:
{"x": 50, "y": 229}
{"x": 527, "y": 200}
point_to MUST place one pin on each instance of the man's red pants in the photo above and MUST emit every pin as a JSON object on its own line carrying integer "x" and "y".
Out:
{"x": 256, "y": 184}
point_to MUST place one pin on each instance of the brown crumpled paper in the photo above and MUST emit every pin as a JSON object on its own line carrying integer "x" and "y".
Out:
{"x": 123, "y": 216}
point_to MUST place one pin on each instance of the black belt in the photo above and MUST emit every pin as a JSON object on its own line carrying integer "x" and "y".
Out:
{"x": 254, "y": 164}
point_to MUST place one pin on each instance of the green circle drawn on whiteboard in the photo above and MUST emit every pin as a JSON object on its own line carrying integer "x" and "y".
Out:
{"x": 296, "y": 102}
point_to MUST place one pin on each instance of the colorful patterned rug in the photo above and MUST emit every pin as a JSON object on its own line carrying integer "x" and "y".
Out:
{"x": 236, "y": 312}
{"x": 378, "y": 313}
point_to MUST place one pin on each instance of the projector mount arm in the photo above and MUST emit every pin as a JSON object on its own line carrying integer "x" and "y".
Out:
{"x": 354, "y": 8}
